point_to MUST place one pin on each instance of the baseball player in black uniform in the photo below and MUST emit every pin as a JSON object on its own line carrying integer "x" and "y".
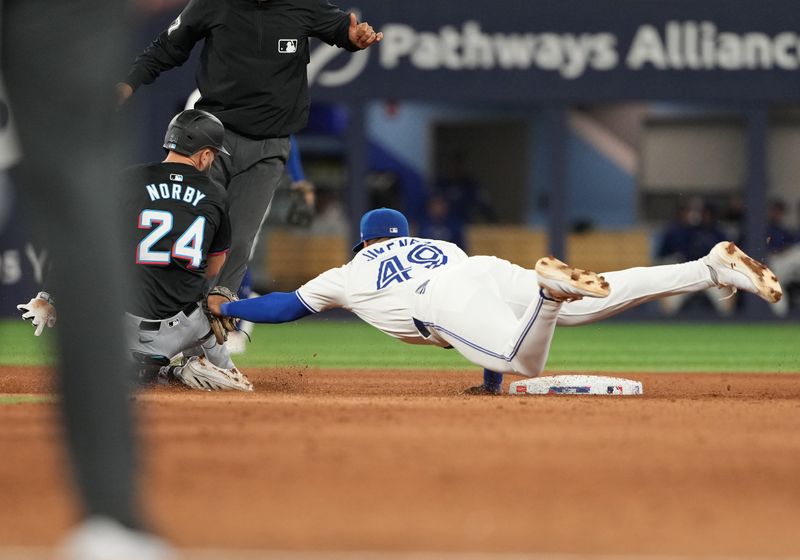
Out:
{"x": 252, "y": 76}
{"x": 182, "y": 235}
{"x": 179, "y": 235}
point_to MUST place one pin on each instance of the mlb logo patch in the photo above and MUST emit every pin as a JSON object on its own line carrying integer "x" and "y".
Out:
{"x": 175, "y": 177}
{"x": 393, "y": 230}
{"x": 287, "y": 46}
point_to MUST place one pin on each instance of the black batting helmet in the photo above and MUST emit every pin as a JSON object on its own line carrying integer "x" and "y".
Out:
{"x": 192, "y": 130}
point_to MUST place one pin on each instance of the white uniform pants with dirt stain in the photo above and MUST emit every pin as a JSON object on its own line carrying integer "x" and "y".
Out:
{"x": 492, "y": 311}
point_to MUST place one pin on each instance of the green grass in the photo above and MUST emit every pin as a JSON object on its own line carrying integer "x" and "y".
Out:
{"x": 25, "y": 399}
{"x": 607, "y": 347}
{"x": 20, "y": 347}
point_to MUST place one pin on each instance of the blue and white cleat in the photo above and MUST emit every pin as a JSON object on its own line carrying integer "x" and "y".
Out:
{"x": 732, "y": 268}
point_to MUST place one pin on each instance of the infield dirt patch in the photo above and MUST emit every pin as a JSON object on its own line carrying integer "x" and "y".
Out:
{"x": 399, "y": 460}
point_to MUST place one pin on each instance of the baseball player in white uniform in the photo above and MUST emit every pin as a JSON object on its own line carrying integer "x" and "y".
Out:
{"x": 498, "y": 315}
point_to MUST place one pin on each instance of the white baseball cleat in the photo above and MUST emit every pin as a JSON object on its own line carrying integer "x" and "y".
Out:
{"x": 562, "y": 282}
{"x": 732, "y": 268}
{"x": 103, "y": 538}
{"x": 199, "y": 373}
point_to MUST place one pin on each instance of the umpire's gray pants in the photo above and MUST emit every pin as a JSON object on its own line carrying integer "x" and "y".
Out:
{"x": 180, "y": 333}
{"x": 251, "y": 176}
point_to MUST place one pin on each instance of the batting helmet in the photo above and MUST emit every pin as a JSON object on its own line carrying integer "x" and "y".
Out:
{"x": 381, "y": 222}
{"x": 192, "y": 130}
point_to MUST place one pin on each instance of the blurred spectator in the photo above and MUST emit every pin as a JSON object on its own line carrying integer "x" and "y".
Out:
{"x": 733, "y": 217}
{"x": 467, "y": 201}
{"x": 784, "y": 258}
{"x": 383, "y": 189}
{"x": 707, "y": 233}
{"x": 439, "y": 222}
{"x": 331, "y": 216}
{"x": 675, "y": 241}
{"x": 686, "y": 241}
{"x": 778, "y": 235}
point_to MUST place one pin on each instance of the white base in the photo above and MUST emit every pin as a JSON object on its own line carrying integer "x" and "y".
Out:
{"x": 576, "y": 385}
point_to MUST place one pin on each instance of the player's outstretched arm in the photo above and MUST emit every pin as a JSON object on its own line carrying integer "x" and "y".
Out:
{"x": 277, "y": 307}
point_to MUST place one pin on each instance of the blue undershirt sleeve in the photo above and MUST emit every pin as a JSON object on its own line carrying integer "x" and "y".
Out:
{"x": 294, "y": 166}
{"x": 277, "y": 307}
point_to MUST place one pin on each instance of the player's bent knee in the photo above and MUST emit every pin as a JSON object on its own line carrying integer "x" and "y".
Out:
{"x": 527, "y": 370}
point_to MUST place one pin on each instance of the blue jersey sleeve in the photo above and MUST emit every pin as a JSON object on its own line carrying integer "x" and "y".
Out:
{"x": 277, "y": 307}
{"x": 294, "y": 167}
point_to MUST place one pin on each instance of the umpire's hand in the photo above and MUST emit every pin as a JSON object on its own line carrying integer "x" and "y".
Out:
{"x": 361, "y": 34}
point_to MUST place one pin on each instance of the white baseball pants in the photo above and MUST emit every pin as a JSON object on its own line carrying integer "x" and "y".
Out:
{"x": 492, "y": 311}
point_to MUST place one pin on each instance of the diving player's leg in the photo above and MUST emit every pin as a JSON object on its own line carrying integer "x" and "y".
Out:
{"x": 635, "y": 286}
{"x": 725, "y": 266}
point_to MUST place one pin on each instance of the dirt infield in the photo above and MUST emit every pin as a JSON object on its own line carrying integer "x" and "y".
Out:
{"x": 398, "y": 460}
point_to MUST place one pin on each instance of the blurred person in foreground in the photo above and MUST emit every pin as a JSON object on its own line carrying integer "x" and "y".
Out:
{"x": 58, "y": 59}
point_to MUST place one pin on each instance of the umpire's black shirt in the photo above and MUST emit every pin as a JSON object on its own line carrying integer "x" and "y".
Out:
{"x": 252, "y": 72}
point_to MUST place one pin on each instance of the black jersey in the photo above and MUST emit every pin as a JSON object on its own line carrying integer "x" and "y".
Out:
{"x": 178, "y": 217}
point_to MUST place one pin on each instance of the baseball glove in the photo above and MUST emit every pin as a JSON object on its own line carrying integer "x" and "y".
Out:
{"x": 220, "y": 325}
{"x": 302, "y": 198}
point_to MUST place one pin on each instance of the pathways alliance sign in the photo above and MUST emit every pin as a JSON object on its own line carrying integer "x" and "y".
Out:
{"x": 622, "y": 56}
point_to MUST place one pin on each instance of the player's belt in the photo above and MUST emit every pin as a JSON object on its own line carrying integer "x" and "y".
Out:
{"x": 156, "y": 325}
{"x": 423, "y": 330}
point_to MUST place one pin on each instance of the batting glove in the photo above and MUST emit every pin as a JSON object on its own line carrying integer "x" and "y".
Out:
{"x": 41, "y": 312}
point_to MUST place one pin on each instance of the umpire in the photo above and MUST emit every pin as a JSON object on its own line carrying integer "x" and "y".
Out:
{"x": 252, "y": 76}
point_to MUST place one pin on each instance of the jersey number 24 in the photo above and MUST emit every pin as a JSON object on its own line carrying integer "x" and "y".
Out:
{"x": 188, "y": 246}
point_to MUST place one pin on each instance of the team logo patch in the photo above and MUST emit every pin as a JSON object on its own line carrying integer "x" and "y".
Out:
{"x": 287, "y": 46}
